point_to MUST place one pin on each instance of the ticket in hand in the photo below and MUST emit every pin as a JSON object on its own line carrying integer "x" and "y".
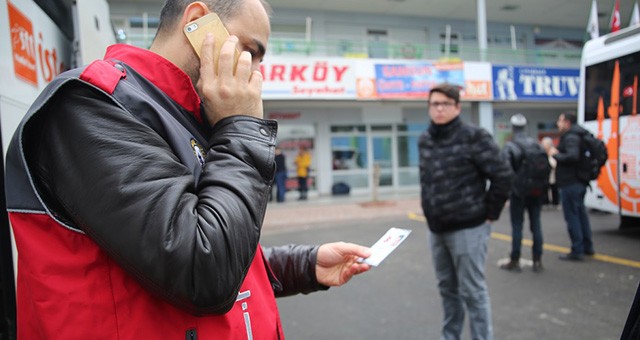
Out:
{"x": 385, "y": 245}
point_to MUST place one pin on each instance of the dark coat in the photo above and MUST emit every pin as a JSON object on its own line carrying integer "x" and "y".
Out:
{"x": 464, "y": 181}
{"x": 568, "y": 156}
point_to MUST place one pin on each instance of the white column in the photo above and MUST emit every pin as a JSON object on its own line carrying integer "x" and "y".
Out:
{"x": 324, "y": 161}
{"x": 484, "y": 109}
{"x": 482, "y": 29}
{"x": 485, "y": 115}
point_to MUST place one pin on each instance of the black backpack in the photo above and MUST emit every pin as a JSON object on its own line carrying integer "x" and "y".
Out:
{"x": 532, "y": 174}
{"x": 593, "y": 155}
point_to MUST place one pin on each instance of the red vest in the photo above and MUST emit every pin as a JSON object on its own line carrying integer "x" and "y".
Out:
{"x": 68, "y": 288}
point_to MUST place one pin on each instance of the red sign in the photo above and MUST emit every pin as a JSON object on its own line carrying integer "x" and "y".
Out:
{"x": 284, "y": 115}
{"x": 23, "y": 46}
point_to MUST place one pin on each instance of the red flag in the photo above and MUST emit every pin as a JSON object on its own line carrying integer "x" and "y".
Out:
{"x": 615, "y": 17}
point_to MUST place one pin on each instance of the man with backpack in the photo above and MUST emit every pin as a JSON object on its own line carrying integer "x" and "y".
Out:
{"x": 572, "y": 175}
{"x": 531, "y": 166}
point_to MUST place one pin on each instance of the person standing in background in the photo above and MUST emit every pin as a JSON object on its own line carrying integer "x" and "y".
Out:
{"x": 303, "y": 163}
{"x": 547, "y": 144}
{"x": 281, "y": 175}
{"x": 456, "y": 161}
{"x": 572, "y": 189}
{"x": 530, "y": 164}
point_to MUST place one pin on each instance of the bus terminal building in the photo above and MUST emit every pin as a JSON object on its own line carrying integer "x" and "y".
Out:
{"x": 359, "y": 115}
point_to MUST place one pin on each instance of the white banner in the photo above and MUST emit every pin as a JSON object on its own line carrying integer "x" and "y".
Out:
{"x": 308, "y": 78}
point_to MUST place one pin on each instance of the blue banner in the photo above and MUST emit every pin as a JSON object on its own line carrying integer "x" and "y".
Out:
{"x": 512, "y": 83}
{"x": 411, "y": 80}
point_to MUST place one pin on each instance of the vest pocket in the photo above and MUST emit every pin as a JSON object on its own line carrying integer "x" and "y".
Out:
{"x": 192, "y": 334}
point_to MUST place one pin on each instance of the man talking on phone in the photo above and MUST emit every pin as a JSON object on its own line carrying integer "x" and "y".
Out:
{"x": 137, "y": 187}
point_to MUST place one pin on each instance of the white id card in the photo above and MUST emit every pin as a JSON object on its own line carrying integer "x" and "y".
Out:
{"x": 385, "y": 245}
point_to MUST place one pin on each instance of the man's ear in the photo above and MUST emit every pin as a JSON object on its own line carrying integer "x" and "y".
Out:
{"x": 194, "y": 11}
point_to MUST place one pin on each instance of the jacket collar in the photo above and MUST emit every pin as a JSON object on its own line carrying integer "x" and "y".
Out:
{"x": 161, "y": 72}
{"x": 444, "y": 130}
{"x": 575, "y": 129}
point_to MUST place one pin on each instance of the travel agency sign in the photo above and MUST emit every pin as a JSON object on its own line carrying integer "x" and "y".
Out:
{"x": 512, "y": 83}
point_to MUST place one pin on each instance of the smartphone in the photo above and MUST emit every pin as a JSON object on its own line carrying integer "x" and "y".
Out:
{"x": 197, "y": 30}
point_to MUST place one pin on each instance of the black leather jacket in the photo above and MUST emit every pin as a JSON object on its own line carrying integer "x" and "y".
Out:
{"x": 456, "y": 160}
{"x": 105, "y": 172}
{"x": 568, "y": 156}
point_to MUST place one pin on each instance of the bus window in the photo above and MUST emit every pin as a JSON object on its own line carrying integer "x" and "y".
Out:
{"x": 598, "y": 78}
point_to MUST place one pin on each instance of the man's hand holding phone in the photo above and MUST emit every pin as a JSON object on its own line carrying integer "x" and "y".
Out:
{"x": 227, "y": 84}
{"x": 228, "y": 93}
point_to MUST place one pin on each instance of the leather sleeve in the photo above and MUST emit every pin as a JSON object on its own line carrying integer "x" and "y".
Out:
{"x": 294, "y": 267}
{"x": 191, "y": 243}
{"x": 511, "y": 154}
{"x": 570, "y": 151}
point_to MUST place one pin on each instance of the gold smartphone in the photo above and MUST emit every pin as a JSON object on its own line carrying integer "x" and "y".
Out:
{"x": 197, "y": 30}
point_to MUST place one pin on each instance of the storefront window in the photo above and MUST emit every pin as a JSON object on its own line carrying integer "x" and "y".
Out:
{"x": 290, "y": 139}
{"x": 348, "y": 129}
{"x": 349, "y": 156}
{"x": 408, "y": 136}
{"x": 384, "y": 152}
{"x": 412, "y": 128}
{"x": 349, "y": 153}
{"x": 408, "y": 153}
{"x": 380, "y": 128}
{"x": 352, "y": 180}
{"x": 383, "y": 159}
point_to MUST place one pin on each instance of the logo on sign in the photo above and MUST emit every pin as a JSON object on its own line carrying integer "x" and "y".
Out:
{"x": 505, "y": 84}
{"x": 23, "y": 46}
{"x": 477, "y": 89}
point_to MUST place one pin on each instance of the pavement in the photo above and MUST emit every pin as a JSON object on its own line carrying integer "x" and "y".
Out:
{"x": 295, "y": 214}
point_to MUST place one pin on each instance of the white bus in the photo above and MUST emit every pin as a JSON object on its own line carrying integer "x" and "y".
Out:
{"x": 38, "y": 40}
{"x": 608, "y": 107}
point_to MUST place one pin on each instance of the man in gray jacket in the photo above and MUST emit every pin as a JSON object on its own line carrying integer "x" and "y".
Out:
{"x": 456, "y": 161}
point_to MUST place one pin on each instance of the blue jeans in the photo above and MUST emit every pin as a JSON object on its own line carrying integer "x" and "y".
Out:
{"x": 575, "y": 214}
{"x": 281, "y": 178}
{"x": 517, "y": 206}
{"x": 459, "y": 261}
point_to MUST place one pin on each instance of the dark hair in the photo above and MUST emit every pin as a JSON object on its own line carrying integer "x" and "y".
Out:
{"x": 172, "y": 11}
{"x": 451, "y": 91}
{"x": 571, "y": 117}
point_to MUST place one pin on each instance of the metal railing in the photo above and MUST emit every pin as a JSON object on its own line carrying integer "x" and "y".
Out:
{"x": 411, "y": 51}
{"x": 408, "y": 51}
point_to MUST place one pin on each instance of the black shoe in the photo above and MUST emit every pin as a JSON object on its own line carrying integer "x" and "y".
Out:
{"x": 512, "y": 266}
{"x": 537, "y": 266}
{"x": 589, "y": 253}
{"x": 571, "y": 257}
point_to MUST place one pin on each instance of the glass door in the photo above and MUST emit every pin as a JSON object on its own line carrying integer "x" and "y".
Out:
{"x": 382, "y": 150}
